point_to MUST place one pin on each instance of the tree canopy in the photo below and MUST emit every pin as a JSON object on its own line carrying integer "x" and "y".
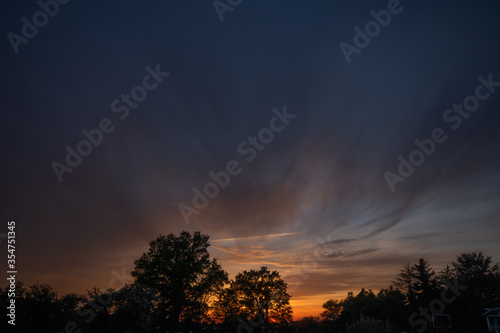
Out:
{"x": 333, "y": 308}
{"x": 255, "y": 294}
{"x": 181, "y": 270}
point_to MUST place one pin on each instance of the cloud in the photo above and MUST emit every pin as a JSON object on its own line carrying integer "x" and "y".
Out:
{"x": 352, "y": 253}
{"x": 425, "y": 235}
{"x": 253, "y": 237}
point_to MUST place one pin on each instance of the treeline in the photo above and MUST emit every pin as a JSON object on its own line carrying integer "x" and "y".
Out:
{"x": 177, "y": 287}
{"x": 458, "y": 294}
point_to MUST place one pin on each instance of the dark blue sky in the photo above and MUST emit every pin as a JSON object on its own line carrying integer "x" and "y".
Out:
{"x": 320, "y": 179}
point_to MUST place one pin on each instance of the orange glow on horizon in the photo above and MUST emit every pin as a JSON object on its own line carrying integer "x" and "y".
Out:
{"x": 309, "y": 306}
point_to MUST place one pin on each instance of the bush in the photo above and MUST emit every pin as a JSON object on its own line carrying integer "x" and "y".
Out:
{"x": 369, "y": 325}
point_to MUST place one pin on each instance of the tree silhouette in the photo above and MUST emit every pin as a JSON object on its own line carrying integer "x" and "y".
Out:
{"x": 425, "y": 284}
{"x": 134, "y": 308}
{"x": 311, "y": 325}
{"x": 41, "y": 304}
{"x": 390, "y": 304}
{"x": 227, "y": 310}
{"x": 264, "y": 292}
{"x": 445, "y": 275}
{"x": 405, "y": 281}
{"x": 332, "y": 311}
{"x": 257, "y": 295}
{"x": 474, "y": 267}
{"x": 481, "y": 287}
{"x": 96, "y": 312}
{"x": 71, "y": 302}
{"x": 369, "y": 325}
{"x": 418, "y": 283}
{"x": 181, "y": 270}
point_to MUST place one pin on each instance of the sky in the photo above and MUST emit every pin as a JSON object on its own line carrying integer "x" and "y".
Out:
{"x": 333, "y": 141}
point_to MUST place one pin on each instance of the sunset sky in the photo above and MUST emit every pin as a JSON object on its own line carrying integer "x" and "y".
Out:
{"x": 311, "y": 198}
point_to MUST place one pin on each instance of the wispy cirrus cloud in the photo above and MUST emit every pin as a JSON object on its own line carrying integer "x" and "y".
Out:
{"x": 253, "y": 237}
